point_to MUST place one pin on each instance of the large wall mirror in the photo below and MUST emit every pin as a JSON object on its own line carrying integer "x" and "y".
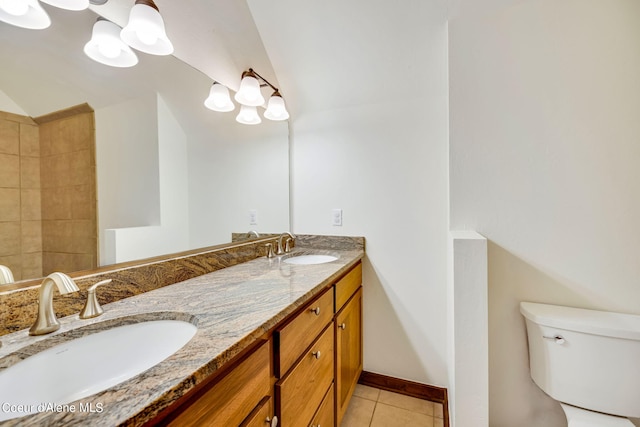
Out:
{"x": 171, "y": 174}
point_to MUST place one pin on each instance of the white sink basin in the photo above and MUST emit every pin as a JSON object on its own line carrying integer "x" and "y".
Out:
{"x": 310, "y": 259}
{"x": 90, "y": 364}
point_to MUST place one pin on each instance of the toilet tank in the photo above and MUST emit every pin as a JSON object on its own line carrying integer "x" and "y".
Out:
{"x": 586, "y": 358}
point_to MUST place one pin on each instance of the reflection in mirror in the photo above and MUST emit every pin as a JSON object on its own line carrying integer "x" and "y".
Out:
{"x": 171, "y": 175}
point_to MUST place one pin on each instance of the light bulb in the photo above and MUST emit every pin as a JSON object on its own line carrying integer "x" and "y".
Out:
{"x": 249, "y": 93}
{"x": 218, "y": 99}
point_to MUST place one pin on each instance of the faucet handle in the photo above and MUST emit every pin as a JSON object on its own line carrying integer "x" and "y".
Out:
{"x": 270, "y": 253}
{"x": 92, "y": 306}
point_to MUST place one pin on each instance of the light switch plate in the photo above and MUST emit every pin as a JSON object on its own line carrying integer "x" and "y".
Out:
{"x": 253, "y": 217}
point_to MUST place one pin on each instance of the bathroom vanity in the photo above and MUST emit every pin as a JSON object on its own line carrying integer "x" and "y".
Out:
{"x": 274, "y": 339}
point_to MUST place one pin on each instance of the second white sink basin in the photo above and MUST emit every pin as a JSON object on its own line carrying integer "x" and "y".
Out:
{"x": 87, "y": 365}
{"x": 310, "y": 259}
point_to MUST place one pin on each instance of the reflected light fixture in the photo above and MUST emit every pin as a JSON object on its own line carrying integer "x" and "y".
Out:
{"x": 219, "y": 99}
{"x": 249, "y": 93}
{"x": 250, "y": 97}
{"x": 145, "y": 30}
{"x": 248, "y": 115}
{"x": 276, "y": 109}
{"x": 24, "y": 13}
{"x": 68, "y": 4}
{"x": 107, "y": 47}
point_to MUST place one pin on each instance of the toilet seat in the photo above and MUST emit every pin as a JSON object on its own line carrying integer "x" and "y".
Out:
{"x": 578, "y": 417}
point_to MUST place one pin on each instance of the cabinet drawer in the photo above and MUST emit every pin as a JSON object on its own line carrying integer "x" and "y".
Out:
{"x": 324, "y": 416}
{"x": 296, "y": 336}
{"x": 232, "y": 399}
{"x": 347, "y": 286}
{"x": 300, "y": 393}
{"x": 262, "y": 416}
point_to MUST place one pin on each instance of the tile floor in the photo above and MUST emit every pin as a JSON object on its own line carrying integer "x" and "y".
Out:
{"x": 371, "y": 407}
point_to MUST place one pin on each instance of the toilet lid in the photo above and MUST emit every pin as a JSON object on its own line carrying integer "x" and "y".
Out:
{"x": 578, "y": 417}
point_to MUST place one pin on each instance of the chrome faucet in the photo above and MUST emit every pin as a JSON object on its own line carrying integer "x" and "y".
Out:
{"x": 285, "y": 247}
{"x": 47, "y": 322}
{"x": 253, "y": 234}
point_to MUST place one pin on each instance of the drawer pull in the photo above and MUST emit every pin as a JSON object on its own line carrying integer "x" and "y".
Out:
{"x": 273, "y": 422}
{"x": 316, "y": 354}
{"x": 342, "y": 326}
{"x": 316, "y": 311}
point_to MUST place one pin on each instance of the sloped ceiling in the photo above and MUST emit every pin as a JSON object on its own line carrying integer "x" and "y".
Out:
{"x": 335, "y": 54}
{"x": 46, "y": 70}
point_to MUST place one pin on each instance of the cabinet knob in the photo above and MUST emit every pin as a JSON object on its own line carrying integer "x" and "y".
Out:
{"x": 316, "y": 311}
{"x": 342, "y": 326}
{"x": 273, "y": 422}
{"x": 316, "y": 354}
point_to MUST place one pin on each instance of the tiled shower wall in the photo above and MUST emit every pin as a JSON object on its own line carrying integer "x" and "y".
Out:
{"x": 20, "y": 214}
{"x": 48, "y": 193}
{"x": 68, "y": 180}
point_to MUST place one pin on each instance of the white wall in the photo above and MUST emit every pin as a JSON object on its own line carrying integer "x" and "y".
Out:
{"x": 544, "y": 153}
{"x": 127, "y": 163}
{"x": 369, "y": 136}
{"x": 231, "y": 173}
{"x": 162, "y": 147}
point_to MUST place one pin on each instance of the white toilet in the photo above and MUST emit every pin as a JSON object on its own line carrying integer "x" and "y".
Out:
{"x": 587, "y": 360}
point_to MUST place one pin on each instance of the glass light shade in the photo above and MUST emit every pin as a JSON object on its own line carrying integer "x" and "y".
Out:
{"x": 248, "y": 115}
{"x": 249, "y": 93}
{"x": 68, "y": 4}
{"x": 219, "y": 99}
{"x": 106, "y": 46}
{"x": 145, "y": 31}
{"x": 24, "y": 13}
{"x": 276, "y": 110}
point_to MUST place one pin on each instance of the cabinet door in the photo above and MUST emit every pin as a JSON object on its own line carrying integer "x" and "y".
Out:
{"x": 348, "y": 352}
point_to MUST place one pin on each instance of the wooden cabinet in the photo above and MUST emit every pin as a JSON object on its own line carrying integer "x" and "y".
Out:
{"x": 348, "y": 327}
{"x": 302, "y": 390}
{"x": 231, "y": 399}
{"x": 303, "y": 374}
{"x": 292, "y": 339}
{"x": 325, "y": 415}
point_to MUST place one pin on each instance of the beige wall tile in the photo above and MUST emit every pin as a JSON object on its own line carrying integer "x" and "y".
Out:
{"x": 70, "y": 236}
{"x": 14, "y": 262}
{"x": 438, "y": 422}
{"x": 32, "y": 265}
{"x": 30, "y": 172}
{"x": 31, "y": 236}
{"x": 10, "y": 238}
{"x": 9, "y": 204}
{"x": 56, "y": 261}
{"x": 391, "y": 416}
{"x": 31, "y": 204}
{"x": 9, "y": 137}
{"x": 83, "y": 201}
{"x": 9, "y": 171}
{"x": 438, "y": 410}
{"x": 29, "y": 140}
{"x": 77, "y": 131}
{"x": 56, "y": 203}
{"x": 49, "y": 132}
{"x": 406, "y": 402}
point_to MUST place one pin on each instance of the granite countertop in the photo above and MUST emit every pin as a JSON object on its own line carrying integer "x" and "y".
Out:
{"x": 231, "y": 308}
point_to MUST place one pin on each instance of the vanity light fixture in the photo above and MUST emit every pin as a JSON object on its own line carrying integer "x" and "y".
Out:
{"x": 68, "y": 4}
{"x": 24, "y": 13}
{"x": 145, "y": 30}
{"x": 106, "y": 46}
{"x": 219, "y": 99}
{"x": 250, "y": 97}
